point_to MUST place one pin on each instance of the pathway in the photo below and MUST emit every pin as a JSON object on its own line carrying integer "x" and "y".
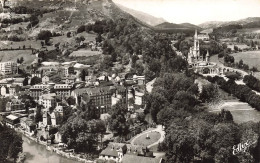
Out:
{"x": 239, "y": 82}
{"x": 158, "y": 129}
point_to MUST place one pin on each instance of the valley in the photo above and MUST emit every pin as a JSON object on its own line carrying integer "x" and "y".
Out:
{"x": 96, "y": 81}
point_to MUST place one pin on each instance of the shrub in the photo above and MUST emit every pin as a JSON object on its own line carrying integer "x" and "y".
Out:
{"x": 44, "y": 35}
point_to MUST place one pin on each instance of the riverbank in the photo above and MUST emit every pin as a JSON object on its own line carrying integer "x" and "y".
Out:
{"x": 32, "y": 146}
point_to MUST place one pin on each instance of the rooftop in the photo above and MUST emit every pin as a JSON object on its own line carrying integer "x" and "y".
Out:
{"x": 12, "y": 117}
{"x": 49, "y": 96}
{"x": 111, "y": 149}
{"x": 133, "y": 158}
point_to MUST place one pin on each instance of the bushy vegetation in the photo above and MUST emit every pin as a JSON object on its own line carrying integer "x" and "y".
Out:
{"x": 124, "y": 39}
{"x": 44, "y": 35}
{"x": 252, "y": 82}
{"x": 11, "y": 144}
{"x": 192, "y": 133}
{"x": 242, "y": 92}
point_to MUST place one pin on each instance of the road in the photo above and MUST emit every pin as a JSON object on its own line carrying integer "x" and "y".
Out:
{"x": 239, "y": 82}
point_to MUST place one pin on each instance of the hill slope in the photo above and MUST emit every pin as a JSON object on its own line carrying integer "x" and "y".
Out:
{"x": 167, "y": 25}
{"x": 69, "y": 15}
{"x": 146, "y": 18}
{"x": 250, "y": 22}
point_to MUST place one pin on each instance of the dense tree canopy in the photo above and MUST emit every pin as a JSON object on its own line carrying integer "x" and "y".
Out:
{"x": 11, "y": 144}
{"x": 118, "y": 122}
{"x": 81, "y": 132}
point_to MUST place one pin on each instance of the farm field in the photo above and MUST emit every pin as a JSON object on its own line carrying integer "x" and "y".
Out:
{"x": 15, "y": 54}
{"x": 64, "y": 39}
{"x": 33, "y": 43}
{"x": 252, "y": 58}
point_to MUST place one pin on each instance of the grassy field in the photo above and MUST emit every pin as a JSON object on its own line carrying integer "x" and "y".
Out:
{"x": 243, "y": 113}
{"x": 141, "y": 140}
{"x": 84, "y": 53}
{"x": 33, "y": 43}
{"x": 64, "y": 39}
{"x": 13, "y": 55}
{"x": 240, "y": 46}
{"x": 252, "y": 58}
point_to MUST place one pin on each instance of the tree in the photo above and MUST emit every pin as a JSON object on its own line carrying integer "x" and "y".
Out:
{"x": 3, "y": 102}
{"x": 235, "y": 48}
{"x": 15, "y": 147}
{"x": 209, "y": 93}
{"x": 38, "y": 115}
{"x": 99, "y": 38}
{"x": 71, "y": 100}
{"x": 35, "y": 80}
{"x": 44, "y": 35}
{"x": 179, "y": 143}
{"x": 42, "y": 43}
{"x": 81, "y": 29}
{"x": 225, "y": 116}
{"x": 134, "y": 59}
{"x": 106, "y": 63}
{"x": 68, "y": 34}
{"x": 125, "y": 60}
{"x": 254, "y": 69}
{"x": 83, "y": 74}
{"x": 117, "y": 122}
{"x": 141, "y": 117}
{"x": 156, "y": 102}
{"x": 25, "y": 82}
{"x": 21, "y": 60}
{"x": 88, "y": 27}
{"x": 11, "y": 144}
{"x": 81, "y": 133}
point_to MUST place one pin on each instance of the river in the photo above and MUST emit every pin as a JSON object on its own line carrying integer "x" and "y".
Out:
{"x": 36, "y": 153}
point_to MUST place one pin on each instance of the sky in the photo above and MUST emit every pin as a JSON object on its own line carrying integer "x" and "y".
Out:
{"x": 196, "y": 11}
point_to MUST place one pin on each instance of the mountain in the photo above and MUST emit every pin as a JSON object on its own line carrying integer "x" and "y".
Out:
{"x": 69, "y": 15}
{"x": 211, "y": 24}
{"x": 146, "y": 18}
{"x": 250, "y": 22}
{"x": 173, "y": 26}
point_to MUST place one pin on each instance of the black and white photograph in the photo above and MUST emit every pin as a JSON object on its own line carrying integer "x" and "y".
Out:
{"x": 129, "y": 81}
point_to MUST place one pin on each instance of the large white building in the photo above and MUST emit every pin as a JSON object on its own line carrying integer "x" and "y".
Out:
{"x": 7, "y": 68}
{"x": 47, "y": 100}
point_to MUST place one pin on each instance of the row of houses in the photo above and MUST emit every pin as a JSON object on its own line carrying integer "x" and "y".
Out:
{"x": 127, "y": 153}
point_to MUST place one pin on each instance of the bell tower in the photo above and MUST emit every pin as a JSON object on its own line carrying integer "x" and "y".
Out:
{"x": 196, "y": 47}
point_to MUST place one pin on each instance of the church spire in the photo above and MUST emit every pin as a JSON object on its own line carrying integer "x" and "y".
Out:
{"x": 207, "y": 56}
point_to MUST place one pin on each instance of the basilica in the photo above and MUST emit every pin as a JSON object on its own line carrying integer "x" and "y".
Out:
{"x": 198, "y": 62}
